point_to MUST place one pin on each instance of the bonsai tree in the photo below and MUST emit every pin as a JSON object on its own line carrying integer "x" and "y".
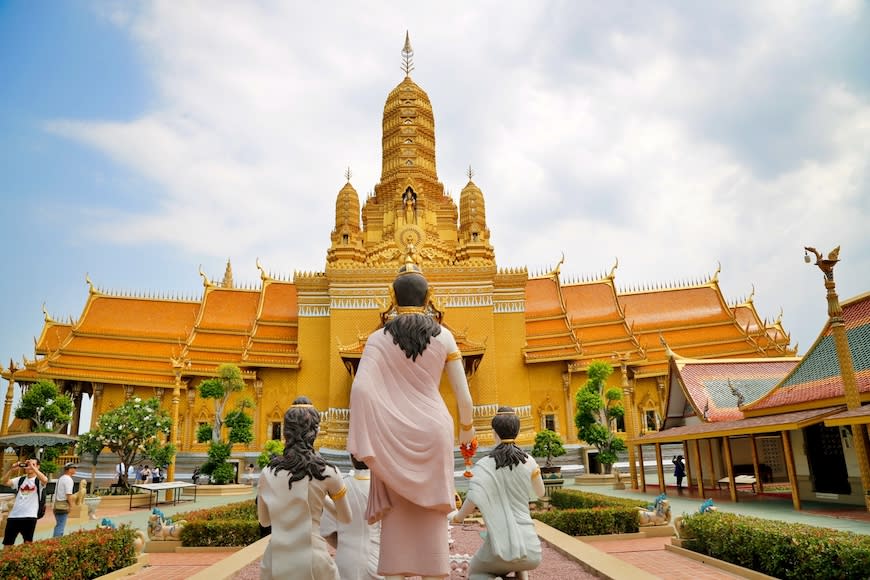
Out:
{"x": 548, "y": 444}
{"x": 595, "y": 409}
{"x": 228, "y": 381}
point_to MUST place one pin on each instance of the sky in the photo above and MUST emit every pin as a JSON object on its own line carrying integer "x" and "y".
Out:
{"x": 140, "y": 141}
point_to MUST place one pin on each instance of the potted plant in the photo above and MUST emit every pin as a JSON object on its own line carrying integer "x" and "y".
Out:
{"x": 548, "y": 444}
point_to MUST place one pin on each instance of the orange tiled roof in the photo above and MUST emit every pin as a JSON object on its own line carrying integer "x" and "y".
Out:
{"x": 597, "y": 319}
{"x": 548, "y": 334}
{"x": 816, "y": 380}
{"x": 52, "y": 336}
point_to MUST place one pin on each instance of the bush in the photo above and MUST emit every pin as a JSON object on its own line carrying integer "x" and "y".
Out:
{"x": 231, "y": 525}
{"x": 780, "y": 549}
{"x": 579, "y": 513}
{"x": 575, "y": 499}
{"x": 591, "y": 522}
{"x": 78, "y": 556}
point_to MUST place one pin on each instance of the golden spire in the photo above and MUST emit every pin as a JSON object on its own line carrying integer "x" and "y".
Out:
{"x": 228, "y": 276}
{"x": 470, "y": 172}
{"x": 348, "y": 174}
{"x": 407, "y": 56}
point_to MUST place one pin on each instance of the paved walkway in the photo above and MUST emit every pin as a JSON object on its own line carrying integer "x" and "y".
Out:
{"x": 648, "y": 554}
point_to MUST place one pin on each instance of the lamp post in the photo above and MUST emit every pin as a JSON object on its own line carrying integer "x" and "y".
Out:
{"x": 844, "y": 357}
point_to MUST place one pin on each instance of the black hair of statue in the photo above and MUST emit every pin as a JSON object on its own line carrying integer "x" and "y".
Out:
{"x": 506, "y": 424}
{"x": 301, "y": 425}
{"x": 412, "y": 332}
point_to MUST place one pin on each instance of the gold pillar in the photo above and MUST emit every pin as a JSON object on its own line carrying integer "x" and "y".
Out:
{"x": 188, "y": 418}
{"x": 258, "y": 411}
{"x": 7, "y": 404}
{"x": 630, "y": 423}
{"x": 77, "y": 409}
{"x": 844, "y": 357}
{"x": 98, "y": 402}
{"x": 689, "y": 476}
{"x": 128, "y": 392}
{"x": 642, "y": 470}
{"x": 177, "y": 366}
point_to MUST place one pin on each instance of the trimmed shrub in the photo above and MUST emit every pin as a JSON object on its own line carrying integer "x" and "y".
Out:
{"x": 578, "y": 513}
{"x": 780, "y": 549}
{"x": 234, "y": 524}
{"x": 575, "y": 499}
{"x": 80, "y": 555}
{"x": 591, "y": 522}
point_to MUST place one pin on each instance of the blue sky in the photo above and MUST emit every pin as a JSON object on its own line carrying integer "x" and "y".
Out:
{"x": 142, "y": 140}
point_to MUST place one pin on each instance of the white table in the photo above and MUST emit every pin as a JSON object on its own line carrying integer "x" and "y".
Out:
{"x": 739, "y": 480}
{"x": 154, "y": 490}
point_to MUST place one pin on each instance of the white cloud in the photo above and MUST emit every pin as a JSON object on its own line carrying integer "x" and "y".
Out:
{"x": 669, "y": 138}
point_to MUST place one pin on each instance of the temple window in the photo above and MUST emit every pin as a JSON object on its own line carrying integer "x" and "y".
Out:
{"x": 549, "y": 421}
{"x": 345, "y": 238}
{"x": 651, "y": 420}
{"x": 618, "y": 425}
{"x": 474, "y": 236}
{"x": 275, "y": 429}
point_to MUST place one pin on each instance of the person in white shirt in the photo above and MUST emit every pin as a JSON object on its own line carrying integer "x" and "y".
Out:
{"x": 64, "y": 499}
{"x": 29, "y": 484}
{"x": 155, "y": 474}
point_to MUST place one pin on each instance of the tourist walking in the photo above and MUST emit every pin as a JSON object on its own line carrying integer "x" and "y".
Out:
{"x": 64, "y": 499}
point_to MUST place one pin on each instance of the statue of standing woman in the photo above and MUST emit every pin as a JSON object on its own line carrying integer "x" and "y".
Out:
{"x": 291, "y": 498}
{"x": 401, "y": 427}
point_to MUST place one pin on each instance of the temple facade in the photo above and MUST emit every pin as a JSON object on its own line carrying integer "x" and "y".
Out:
{"x": 526, "y": 339}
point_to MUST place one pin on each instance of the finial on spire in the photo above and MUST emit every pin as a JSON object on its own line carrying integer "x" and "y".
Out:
{"x": 348, "y": 174}
{"x": 470, "y": 172}
{"x": 407, "y": 56}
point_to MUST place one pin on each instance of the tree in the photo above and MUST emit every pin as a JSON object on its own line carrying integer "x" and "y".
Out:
{"x": 46, "y": 407}
{"x": 595, "y": 409}
{"x": 130, "y": 430}
{"x": 228, "y": 381}
{"x": 90, "y": 444}
{"x": 548, "y": 444}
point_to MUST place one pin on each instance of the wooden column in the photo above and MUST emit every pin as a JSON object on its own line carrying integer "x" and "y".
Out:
{"x": 713, "y": 477}
{"x": 792, "y": 472}
{"x": 642, "y": 471}
{"x": 758, "y": 480}
{"x": 688, "y": 463}
{"x": 660, "y": 467}
{"x": 697, "y": 459}
{"x": 729, "y": 468}
{"x": 77, "y": 409}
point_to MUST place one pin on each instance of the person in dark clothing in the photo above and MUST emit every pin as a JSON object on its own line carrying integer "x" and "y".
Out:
{"x": 679, "y": 470}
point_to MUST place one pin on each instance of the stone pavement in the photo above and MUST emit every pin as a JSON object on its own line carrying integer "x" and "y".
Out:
{"x": 646, "y": 554}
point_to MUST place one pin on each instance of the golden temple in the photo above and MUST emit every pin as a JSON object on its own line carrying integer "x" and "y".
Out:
{"x": 526, "y": 340}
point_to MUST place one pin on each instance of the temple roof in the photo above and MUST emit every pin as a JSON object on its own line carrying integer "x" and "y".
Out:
{"x": 714, "y": 390}
{"x": 134, "y": 339}
{"x": 549, "y": 335}
{"x": 816, "y": 380}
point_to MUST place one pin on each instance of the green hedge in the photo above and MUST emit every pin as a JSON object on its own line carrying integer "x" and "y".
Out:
{"x": 591, "y": 522}
{"x": 578, "y": 513}
{"x": 234, "y": 524}
{"x": 780, "y": 549}
{"x": 78, "y": 556}
{"x": 575, "y": 499}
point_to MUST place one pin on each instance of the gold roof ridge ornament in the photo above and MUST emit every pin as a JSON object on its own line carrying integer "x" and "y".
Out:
{"x": 407, "y": 56}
